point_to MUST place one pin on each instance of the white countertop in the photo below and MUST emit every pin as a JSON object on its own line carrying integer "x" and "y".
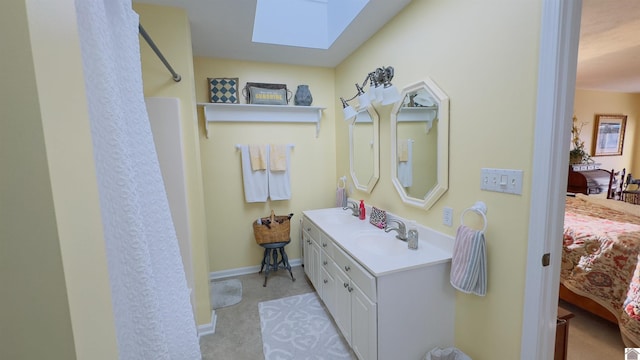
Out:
{"x": 379, "y": 252}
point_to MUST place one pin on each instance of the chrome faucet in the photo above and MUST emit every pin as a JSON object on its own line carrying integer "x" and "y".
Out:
{"x": 355, "y": 208}
{"x": 401, "y": 229}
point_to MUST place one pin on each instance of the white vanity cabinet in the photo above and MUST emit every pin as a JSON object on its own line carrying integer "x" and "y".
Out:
{"x": 383, "y": 310}
{"x": 355, "y": 314}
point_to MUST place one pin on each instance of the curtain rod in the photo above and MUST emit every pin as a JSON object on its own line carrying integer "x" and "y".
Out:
{"x": 176, "y": 76}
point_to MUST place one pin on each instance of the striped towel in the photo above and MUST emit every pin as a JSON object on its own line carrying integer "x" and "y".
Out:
{"x": 469, "y": 262}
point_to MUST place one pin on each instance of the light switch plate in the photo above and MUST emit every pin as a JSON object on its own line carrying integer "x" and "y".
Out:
{"x": 501, "y": 180}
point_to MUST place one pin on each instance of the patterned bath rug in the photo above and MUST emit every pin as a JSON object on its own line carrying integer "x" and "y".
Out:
{"x": 225, "y": 293}
{"x": 298, "y": 327}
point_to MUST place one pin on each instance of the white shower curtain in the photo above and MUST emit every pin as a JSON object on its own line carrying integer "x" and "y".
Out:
{"x": 152, "y": 310}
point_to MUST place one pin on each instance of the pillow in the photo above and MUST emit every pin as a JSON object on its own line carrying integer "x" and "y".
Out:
{"x": 267, "y": 96}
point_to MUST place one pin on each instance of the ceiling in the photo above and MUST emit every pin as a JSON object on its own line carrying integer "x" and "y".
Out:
{"x": 608, "y": 55}
{"x": 224, "y": 28}
{"x": 609, "y": 52}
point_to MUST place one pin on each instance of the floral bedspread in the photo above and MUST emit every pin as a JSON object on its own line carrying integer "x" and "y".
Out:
{"x": 600, "y": 260}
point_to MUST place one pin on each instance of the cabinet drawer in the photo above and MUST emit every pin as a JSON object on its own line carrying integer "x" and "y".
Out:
{"x": 326, "y": 244}
{"x": 359, "y": 275}
{"x": 325, "y": 260}
{"x": 311, "y": 229}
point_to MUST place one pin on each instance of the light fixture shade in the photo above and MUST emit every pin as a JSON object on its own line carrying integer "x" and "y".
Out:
{"x": 376, "y": 93}
{"x": 349, "y": 112}
{"x": 363, "y": 100}
{"x": 390, "y": 95}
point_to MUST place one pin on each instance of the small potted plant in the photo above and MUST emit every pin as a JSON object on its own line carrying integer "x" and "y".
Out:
{"x": 578, "y": 155}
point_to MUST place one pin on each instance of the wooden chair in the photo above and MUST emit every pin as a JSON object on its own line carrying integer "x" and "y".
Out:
{"x": 631, "y": 195}
{"x": 616, "y": 183}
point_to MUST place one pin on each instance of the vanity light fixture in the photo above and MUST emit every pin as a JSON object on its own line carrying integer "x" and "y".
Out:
{"x": 381, "y": 91}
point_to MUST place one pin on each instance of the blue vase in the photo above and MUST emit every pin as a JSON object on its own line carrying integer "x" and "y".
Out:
{"x": 303, "y": 96}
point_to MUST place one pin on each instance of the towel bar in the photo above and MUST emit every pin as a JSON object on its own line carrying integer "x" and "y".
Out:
{"x": 239, "y": 146}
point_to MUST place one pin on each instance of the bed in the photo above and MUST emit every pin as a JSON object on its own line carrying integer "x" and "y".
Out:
{"x": 600, "y": 269}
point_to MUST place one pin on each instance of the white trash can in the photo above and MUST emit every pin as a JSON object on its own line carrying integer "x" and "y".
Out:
{"x": 446, "y": 354}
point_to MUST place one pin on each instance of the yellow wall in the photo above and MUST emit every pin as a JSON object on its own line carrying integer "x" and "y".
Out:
{"x": 169, "y": 29}
{"x": 56, "y": 301}
{"x": 484, "y": 55}
{"x": 588, "y": 103}
{"x": 313, "y": 174}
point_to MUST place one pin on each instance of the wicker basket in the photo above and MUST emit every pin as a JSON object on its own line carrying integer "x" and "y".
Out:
{"x": 273, "y": 229}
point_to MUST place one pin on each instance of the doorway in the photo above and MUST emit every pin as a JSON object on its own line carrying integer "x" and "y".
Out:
{"x": 559, "y": 37}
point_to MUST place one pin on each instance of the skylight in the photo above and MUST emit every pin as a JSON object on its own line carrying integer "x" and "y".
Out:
{"x": 303, "y": 23}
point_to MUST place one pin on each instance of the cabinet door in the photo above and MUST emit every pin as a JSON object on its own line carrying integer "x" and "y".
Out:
{"x": 306, "y": 255}
{"x": 364, "y": 332}
{"x": 327, "y": 280}
{"x": 342, "y": 314}
{"x": 328, "y": 285}
{"x": 315, "y": 260}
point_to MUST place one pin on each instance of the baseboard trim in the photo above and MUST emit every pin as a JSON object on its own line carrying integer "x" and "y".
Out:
{"x": 208, "y": 329}
{"x": 215, "y": 275}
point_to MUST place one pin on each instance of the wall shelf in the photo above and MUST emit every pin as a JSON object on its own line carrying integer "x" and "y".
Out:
{"x": 261, "y": 113}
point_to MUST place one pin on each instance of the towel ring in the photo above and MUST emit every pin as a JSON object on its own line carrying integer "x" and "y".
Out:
{"x": 481, "y": 209}
{"x": 342, "y": 182}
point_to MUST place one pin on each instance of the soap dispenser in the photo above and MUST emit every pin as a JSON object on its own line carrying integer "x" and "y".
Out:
{"x": 363, "y": 211}
{"x": 412, "y": 235}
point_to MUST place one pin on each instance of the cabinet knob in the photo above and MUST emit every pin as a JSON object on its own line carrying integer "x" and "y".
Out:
{"x": 326, "y": 281}
{"x": 350, "y": 289}
{"x": 346, "y": 284}
{"x": 308, "y": 229}
{"x": 324, "y": 244}
{"x": 347, "y": 268}
{"x": 324, "y": 262}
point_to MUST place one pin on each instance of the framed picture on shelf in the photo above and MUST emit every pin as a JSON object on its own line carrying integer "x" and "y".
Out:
{"x": 223, "y": 90}
{"x": 608, "y": 135}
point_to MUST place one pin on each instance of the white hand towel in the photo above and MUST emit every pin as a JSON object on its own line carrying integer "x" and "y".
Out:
{"x": 279, "y": 184}
{"x": 469, "y": 262}
{"x": 256, "y": 183}
{"x": 405, "y": 168}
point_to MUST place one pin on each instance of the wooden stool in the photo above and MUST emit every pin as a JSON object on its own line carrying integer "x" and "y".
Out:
{"x": 270, "y": 259}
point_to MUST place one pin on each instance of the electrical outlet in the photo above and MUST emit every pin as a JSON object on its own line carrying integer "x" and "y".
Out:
{"x": 447, "y": 216}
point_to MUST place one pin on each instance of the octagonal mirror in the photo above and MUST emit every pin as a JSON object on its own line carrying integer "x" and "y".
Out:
{"x": 420, "y": 144}
{"x": 364, "y": 152}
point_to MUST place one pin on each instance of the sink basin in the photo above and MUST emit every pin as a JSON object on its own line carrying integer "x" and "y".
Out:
{"x": 380, "y": 243}
{"x": 336, "y": 216}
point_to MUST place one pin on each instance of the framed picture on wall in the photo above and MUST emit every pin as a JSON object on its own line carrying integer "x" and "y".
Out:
{"x": 608, "y": 135}
{"x": 223, "y": 90}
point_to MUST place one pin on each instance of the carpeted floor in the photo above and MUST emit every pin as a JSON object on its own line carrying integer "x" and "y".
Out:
{"x": 592, "y": 338}
{"x": 238, "y": 335}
